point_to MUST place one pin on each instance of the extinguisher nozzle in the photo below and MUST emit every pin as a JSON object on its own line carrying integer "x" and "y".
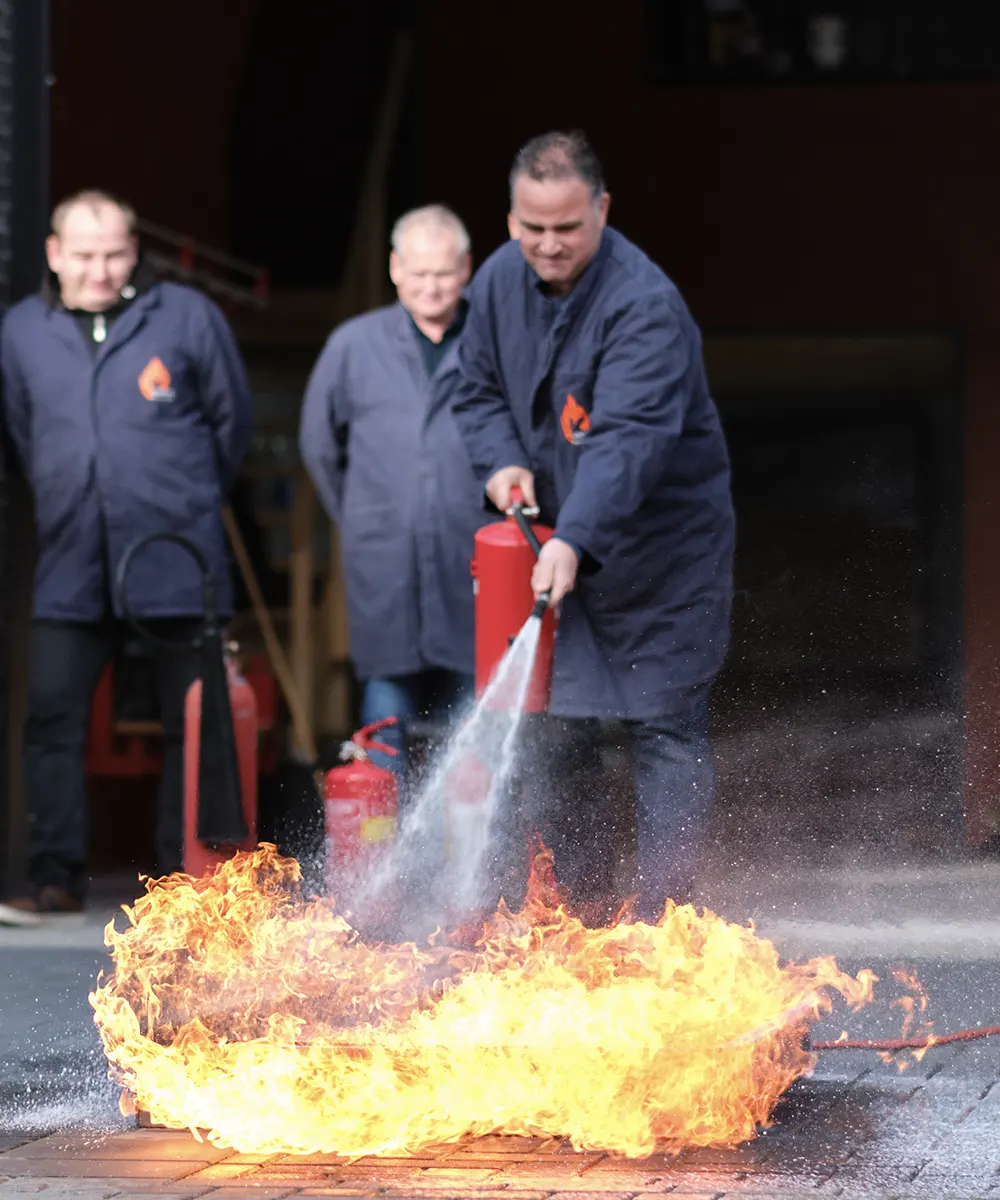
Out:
{"x": 541, "y": 604}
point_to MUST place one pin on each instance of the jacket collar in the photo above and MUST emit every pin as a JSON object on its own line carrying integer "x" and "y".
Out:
{"x": 405, "y": 325}
{"x": 147, "y": 296}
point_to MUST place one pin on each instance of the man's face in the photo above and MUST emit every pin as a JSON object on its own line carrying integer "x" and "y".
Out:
{"x": 92, "y": 256}
{"x": 429, "y": 274}
{"x": 558, "y": 223}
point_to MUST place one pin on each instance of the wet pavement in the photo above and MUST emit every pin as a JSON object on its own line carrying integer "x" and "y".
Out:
{"x": 834, "y": 835}
{"x": 857, "y": 1127}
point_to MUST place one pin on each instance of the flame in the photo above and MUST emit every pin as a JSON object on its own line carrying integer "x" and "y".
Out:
{"x": 239, "y": 1008}
{"x": 914, "y": 1007}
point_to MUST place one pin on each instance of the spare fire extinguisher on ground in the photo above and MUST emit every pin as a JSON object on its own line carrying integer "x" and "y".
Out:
{"x": 220, "y": 739}
{"x": 361, "y": 807}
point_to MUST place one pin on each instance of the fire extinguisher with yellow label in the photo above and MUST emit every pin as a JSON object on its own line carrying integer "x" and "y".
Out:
{"x": 361, "y": 807}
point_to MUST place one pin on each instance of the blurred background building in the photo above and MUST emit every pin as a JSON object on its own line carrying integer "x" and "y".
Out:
{"x": 818, "y": 178}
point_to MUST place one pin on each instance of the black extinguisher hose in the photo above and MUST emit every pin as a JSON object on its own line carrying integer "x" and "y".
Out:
{"x": 221, "y": 820}
{"x": 522, "y": 522}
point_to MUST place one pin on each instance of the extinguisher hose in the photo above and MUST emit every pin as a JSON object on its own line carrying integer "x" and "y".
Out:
{"x": 221, "y": 820}
{"x": 209, "y": 603}
{"x": 522, "y": 522}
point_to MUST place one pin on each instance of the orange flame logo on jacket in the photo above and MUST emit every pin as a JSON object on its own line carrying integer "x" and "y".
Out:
{"x": 154, "y": 382}
{"x": 574, "y": 421}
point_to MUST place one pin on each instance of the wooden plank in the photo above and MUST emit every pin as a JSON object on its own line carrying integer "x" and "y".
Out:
{"x": 137, "y": 728}
{"x": 365, "y": 280}
{"x": 364, "y": 287}
{"x": 301, "y": 572}
{"x": 335, "y": 713}
{"x": 297, "y": 700}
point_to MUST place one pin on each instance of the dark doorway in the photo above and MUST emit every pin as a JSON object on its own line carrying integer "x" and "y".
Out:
{"x": 836, "y": 544}
{"x": 305, "y": 114}
{"x": 838, "y": 714}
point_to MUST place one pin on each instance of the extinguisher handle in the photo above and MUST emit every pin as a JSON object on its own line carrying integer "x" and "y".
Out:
{"x": 517, "y": 512}
{"x": 363, "y": 737}
{"x": 517, "y": 497}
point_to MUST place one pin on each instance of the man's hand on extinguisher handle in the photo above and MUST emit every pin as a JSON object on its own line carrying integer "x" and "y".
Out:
{"x": 555, "y": 571}
{"x": 500, "y": 485}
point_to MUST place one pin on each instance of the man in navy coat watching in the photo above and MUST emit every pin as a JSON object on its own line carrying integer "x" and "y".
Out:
{"x": 128, "y": 407}
{"x": 580, "y": 381}
{"x": 383, "y": 450}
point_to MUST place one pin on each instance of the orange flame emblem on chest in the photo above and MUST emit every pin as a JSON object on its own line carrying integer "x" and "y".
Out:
{"x": 574, "y": 421}
{"x": 155, "y": 379}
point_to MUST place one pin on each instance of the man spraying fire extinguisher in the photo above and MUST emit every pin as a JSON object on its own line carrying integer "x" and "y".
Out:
{"x": 580, "y": 381}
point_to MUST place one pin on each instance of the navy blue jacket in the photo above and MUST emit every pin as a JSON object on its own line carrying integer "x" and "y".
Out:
{"x": 144, "y": 437}
{"x": 602, "y": 393}
{"x": 392, "y": 473}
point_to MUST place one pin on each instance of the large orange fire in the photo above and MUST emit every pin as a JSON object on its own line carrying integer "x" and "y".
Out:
{"x": 238, "y": 1008}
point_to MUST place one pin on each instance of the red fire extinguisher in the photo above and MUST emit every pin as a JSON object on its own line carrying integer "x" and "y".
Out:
{"x": 501, "y": 567}
{"x": 361, "y": 810}
{"x": 200, "y": 858}
{"x": 220, "y": 734}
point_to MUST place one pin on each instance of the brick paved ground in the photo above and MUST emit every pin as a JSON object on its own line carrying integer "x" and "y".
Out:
{"x": 855, "y": 1128}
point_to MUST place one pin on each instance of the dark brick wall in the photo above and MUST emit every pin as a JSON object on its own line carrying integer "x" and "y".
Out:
{"x": 6, "y": 174}
{"x": 23, "y": 221}
{"x": 142, "y": 104}
{"x": 6, "y": 143}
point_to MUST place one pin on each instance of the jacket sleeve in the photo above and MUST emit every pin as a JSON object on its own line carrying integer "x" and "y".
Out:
{"x": 323, "y": 428}
{"x": 478, "y": 401}
{"x": 225, "y": 392}
{"x": 16, "y": 403}
{"x": 640, "y": 397}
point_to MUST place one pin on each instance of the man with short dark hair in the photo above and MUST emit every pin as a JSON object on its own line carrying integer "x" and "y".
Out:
{"x": 580, "y": 381}
{"x": 128, "y": 406}
{"x": 392, "y": 473}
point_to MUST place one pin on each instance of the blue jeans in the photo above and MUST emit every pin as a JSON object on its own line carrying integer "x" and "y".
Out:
{"x": 435, "y": 693}
{"x": 674, "y": 786}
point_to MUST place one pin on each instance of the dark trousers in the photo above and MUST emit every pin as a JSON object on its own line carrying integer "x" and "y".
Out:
{"x": 435, "y": 694}
{"x": 66, "y": 661}
{"x": 673, "y": 785}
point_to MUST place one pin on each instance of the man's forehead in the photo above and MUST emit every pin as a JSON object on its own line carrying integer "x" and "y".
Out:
{"x": 551, "y": 197}
{"x": 422, "y": 242}
{"x": 94, "y": 220}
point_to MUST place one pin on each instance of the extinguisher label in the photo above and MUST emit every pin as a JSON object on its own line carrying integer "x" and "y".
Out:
{"x": 377, "y": 829}
{"x": 343, "y": 810}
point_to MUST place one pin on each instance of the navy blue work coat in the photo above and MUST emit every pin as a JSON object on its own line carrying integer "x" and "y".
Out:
{"x": 391, "y": 471}
{"x": 603, "y": 394}
{"x": 144, "y": 437}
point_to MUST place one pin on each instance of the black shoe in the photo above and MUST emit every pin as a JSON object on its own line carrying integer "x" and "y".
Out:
{"x": 50, "y": 899}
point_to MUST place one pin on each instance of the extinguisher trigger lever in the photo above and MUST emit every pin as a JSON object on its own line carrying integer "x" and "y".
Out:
{"x": 359, "y": 746}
